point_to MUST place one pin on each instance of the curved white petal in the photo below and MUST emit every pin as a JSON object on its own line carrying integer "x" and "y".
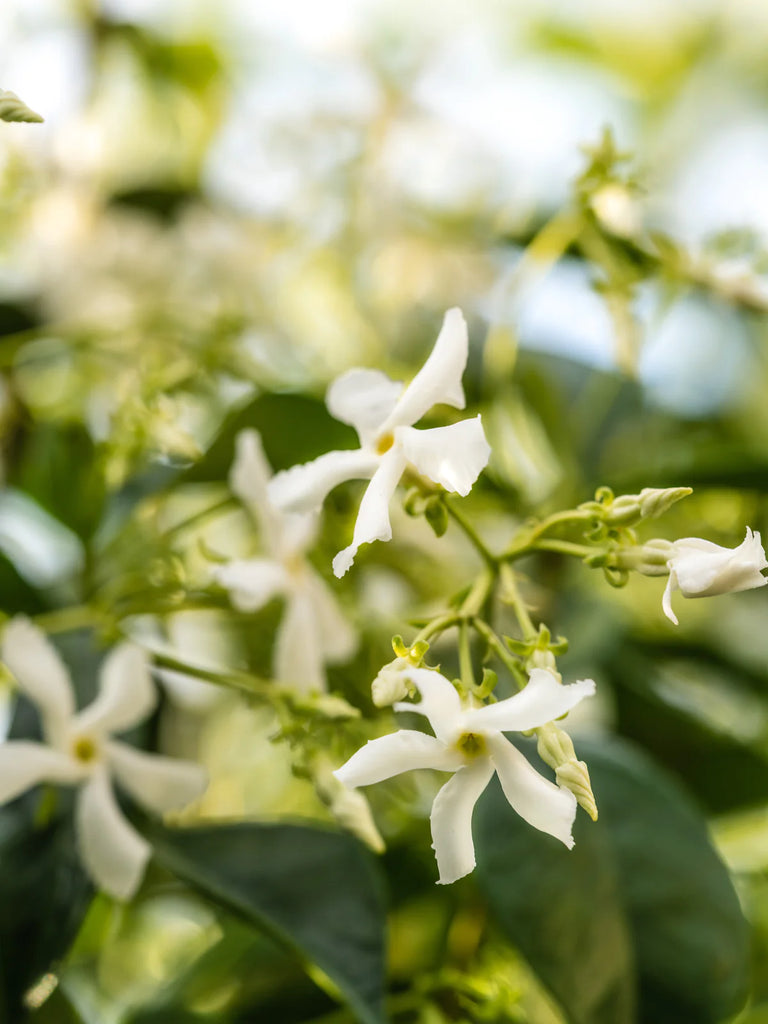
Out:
{"x": 251, "y": 582}
{"x": 543, "y": 700}
{"x": 298, "y": 656}
{"x": 396, "y": 753}
{"x": 666, "y": 601}
{"x": 24, "y": 764}
{"x": 303, "y": 488}
{"x": 40, "y": 673}
{"x": 127, "y": 693}
{"x": 439, "y": 379}
{"x": 451, "y": 820}
{"x": 249, "y": 478}
{"x": 158, "y": 783}
{"x": 113, "y": 852}
{"x": 452, "y": 456}
{"x": 372, "y": 521}
{"x": 440, "y": 702}
{"x": 337, "y": 637}
{"x": 364, "y": 399}
{"x": 538, "y": 801}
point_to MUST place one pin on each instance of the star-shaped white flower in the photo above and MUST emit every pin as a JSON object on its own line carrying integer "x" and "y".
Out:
{"x": 79, "y": 751}
{"x": 470, "y": 742}
{"x": 699, "y": 568}
{"x": 383, "y": 413}
{"x": 313, "y": 630}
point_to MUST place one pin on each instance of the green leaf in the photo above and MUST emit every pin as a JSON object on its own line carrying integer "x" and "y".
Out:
{"x": 14, "y": 109}
{"x": 647, "y": 862}
{"x": 317, "y": 890}
{"x": 561, "y": 909}
{"x": 44, "y": 896}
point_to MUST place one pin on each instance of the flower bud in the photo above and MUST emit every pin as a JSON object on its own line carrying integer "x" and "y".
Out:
{"x": 555, "y": 747}
{"x": 543, "y": 658}
{"x": 348, "y": 806}
{"x": 391, "y": 685}
{"x": 699, "y": 568}
{"x": 617, "y": 209}
{"x": 655, "y": 501}
{"x": 649, "y": 559}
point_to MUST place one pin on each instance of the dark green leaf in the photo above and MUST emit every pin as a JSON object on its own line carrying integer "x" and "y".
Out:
{"x": 317, "y": 890}
{"x": 649, "y": 860}
{"x": 44, "y": 895}
{"x": 561, "y": 908}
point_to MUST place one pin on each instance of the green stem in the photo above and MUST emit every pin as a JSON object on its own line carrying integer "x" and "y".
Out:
{"x": 472, "y": 534}
{"x": 63, "y": 620}
{"x": 513, "y": 597}
{"x": 465, "y": 657}
{"x": 437, "y": 626}
{"x": 505, "y": 656}
{"x": 565, "y": 547}
{"x": 231, "y": 678}
{"x": 528, "y": 537}
{"x": 225, "y": 505}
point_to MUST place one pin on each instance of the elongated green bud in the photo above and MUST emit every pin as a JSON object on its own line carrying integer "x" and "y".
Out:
{"x": 555, "y": 747}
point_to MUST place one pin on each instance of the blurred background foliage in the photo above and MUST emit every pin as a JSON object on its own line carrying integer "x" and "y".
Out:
{"x": 230, "y": 203}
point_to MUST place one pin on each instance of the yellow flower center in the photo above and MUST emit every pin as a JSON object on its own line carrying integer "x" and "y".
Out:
{"x": 385, "y": 442}
{"x": 471, "y": 744}
{"x": 84, "y": 749}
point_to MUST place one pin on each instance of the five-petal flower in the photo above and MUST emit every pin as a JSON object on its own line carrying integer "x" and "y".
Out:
{"x": 383, "y": 415}
{"x": 699, "y": 568}
{"x": 79, "y": 750}
{"x": 469, "y": 741}
{"x": 313, "y": 630}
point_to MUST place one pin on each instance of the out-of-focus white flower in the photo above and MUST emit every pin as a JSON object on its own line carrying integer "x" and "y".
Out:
{"x": 382, "y": 413}
{"x": 313, "y": 630}
{"x": 79, "y": 750}
{"x": 699, "y": 568}
{"x": 470, "y": 742}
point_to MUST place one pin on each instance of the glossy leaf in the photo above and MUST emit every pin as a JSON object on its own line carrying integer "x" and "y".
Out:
{"x": 315, "y": 889}
{"x": 644, "y": 877}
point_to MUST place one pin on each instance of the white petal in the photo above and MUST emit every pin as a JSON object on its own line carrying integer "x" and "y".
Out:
{"x": 538, "y": 801}
{"x": 666, "y": 601}
{"x": 439, "y": 379}
{"x": 372, "y": 521}
{"x": 452, "y": 820}
{"x": 452, "y": 456}
{"x": 40, "y": 673}
{"x": 113, "y": 852}
{"x": 303, "y": 488}
{"x": 543, "y": 700}
{"x": 364, "y": 399}
{"x": 158, "y": 783}
{"x": 440, "y": 702}
{"x": 24, "y": 764}
{"x": 249, "y": 478}
{"x": 298, "y": 657}
{"x": 127, "y": 693}
{"x": 337, "y": 637}
{"x": 251, "y": 582}
{"x": 398, "y": 752}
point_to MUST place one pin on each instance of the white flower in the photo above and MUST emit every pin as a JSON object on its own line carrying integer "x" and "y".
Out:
{"x": 382, "y": 413}
{"x": 313, "y": 630}
{"x": 79, "y": 751}
{"x": 699, "y": 568}
{"x": 469, "y": 741}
